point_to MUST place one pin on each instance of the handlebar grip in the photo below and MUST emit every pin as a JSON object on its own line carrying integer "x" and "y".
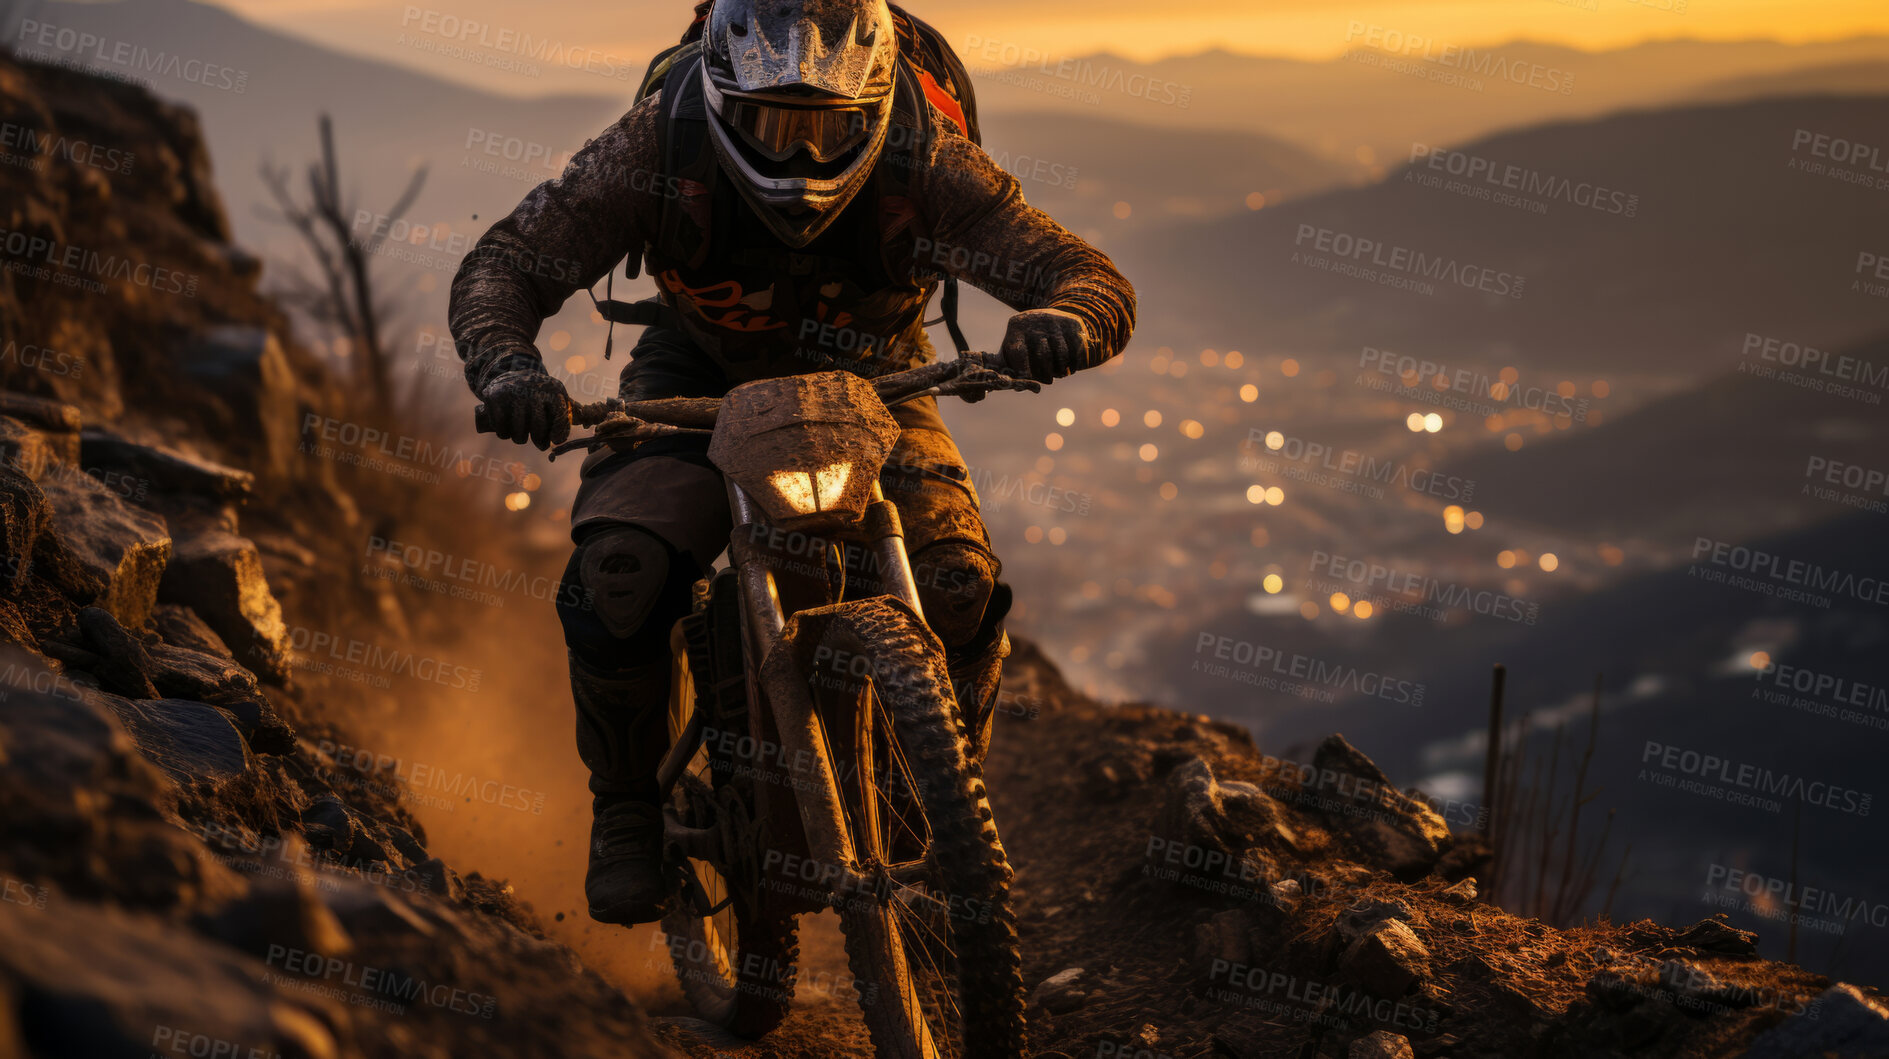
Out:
{"x": 482, "y": 420}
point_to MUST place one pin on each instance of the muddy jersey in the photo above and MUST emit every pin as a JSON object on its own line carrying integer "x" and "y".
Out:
{"x": 854, "y": 298}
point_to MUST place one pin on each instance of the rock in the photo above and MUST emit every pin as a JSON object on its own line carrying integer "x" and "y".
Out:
{"x": 219, "y": 575}
{"x": 281, "y": 908}
{"x": 1841, "y": 1023}
{"x": 1282, "y": 899}
{"x": 1393, "y": 831}
{"x": 1381, "y": 1044}
{"x": 1707, "y": 935}
{"x": 261, "y": 727}
{"x": 180, "y": 626}
{"x": 367, "y": 910}
{"x": 1211, "y": 828}
{"x": 59, "y": 744}
{"x": 124, "y": 547}
{"x": 123, "y": 664}
{"x": 24, "y": 516}
{"x": 190, "y": 741}
{"x": 439, "y": 880}
{"x": 328, "y": 824}
{"x": 154, "y": 469}
{"x": 34, "y": 452}
{"x": 247, "y": 370}
{"x": 54, "y": 417}
{"x": 183, "y": 673}
{"x": 1461, "y": 893}
{"x": 109, "y": 983}
{"x": 1061, "y": 992}
{"x": 1225, "y": 936}
{"x": 1387, "y": 960}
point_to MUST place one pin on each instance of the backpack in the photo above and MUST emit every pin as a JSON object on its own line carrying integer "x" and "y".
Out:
{"x": 940, "y": 76}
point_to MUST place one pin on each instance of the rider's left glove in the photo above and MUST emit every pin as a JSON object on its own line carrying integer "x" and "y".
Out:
{"x": 1046, "y": 344}
{"x": 527, "y": 404}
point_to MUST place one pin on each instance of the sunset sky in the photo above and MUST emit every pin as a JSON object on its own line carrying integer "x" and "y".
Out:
{"x": 1136, "y": 28}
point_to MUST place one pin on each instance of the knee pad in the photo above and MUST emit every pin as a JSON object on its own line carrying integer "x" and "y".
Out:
{"x": 622, "y": 590}
{"x": 955, "y": 580}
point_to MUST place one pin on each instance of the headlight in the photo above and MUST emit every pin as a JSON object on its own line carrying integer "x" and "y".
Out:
{"x": 810, "y": 491}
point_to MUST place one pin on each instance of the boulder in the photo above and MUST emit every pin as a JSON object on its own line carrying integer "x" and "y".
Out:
{"x": 154, "y": 469}
{"x": 1392, "y": 830}
{"x": 1217, "y": 828}
{"x": 219, "y": 575}
{"x": 245, "y": 367}
{"x": 1841, "y": 1023}
{"x": 190, "y": 741}
{"x": 124, "y": 547}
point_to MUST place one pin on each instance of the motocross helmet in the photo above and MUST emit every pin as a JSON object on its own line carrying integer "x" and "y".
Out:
{"x": 799, "y": 94}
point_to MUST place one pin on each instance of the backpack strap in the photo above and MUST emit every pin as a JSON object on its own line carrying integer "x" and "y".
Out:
{"x": 681, "y": 140}
{"x": 914, "y": 124}
{"x": 689, "y": 158}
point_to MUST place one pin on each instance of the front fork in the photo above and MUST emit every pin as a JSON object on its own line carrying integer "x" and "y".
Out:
{"x": 796, "y": 722}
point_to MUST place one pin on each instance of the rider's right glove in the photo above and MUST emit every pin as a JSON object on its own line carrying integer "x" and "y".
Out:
{"x": 526, "y": 404}
{"x": 1046, "y": 344}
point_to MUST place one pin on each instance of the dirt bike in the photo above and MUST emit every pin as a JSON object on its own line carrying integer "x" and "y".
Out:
{"x": 819, "y": 757}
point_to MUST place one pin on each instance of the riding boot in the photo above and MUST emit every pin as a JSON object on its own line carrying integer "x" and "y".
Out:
{"x": 622, "y": 735}
{"x": 977, "y": 671}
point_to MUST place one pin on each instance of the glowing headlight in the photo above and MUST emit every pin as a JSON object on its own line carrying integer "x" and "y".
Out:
{"x": 810, "y": 491}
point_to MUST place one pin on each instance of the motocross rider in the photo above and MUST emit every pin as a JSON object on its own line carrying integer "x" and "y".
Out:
{"x": 798, "y": 192}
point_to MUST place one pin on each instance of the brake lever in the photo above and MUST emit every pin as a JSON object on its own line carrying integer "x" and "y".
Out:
{"x": 984, "y": 380}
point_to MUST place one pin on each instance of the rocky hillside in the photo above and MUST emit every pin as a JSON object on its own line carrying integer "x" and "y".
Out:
{"x": 1184, "y": 894}
{"x": 193, "y": 864}
{"x": 185, "y": 870}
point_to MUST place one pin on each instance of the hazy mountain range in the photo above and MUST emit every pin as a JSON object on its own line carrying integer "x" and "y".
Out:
{"x": 1652, "y": 239}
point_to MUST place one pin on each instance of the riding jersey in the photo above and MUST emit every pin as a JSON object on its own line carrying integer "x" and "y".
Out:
{"x": 853, "y": 299}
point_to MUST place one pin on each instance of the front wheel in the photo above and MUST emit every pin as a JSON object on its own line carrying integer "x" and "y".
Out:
{"x": 934, "y": 947}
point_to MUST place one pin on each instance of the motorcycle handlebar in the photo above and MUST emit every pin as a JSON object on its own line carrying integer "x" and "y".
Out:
{"x": 699, "y": 412}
